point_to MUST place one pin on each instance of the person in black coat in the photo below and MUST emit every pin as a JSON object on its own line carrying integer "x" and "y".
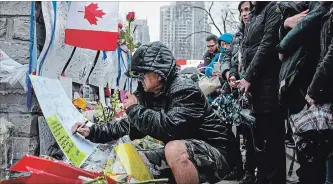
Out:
{"x": 261, "y": 64}
{"x": 172, "y": 109}
{"x": 232, "y": 65}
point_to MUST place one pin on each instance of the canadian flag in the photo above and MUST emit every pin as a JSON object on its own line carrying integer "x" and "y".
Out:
{"x": 93, "y": 25}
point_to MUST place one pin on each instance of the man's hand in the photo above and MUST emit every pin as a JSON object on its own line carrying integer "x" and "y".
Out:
{"x": 291, "y": 22}
{"x": 309, "y": 100}
{"x": 244, "y": 85}
{"x": 232, "y": 82}
{"x": 130, "y": 100}
{"x": 84, "y": 131}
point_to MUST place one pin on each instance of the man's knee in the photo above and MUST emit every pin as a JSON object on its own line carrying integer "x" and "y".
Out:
{"x": 175, "y": 151}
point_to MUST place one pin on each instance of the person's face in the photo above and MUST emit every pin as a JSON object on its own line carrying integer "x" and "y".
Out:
{"x": 150, "y": 81}
{"x": 211, "y": 46}
{"x": 244, "y": 11}
{"x": 225, "y": 45}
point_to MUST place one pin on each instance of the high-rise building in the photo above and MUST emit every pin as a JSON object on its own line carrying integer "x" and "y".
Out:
{"x": 184, "y": 29}
{"x": 141, "y": 33}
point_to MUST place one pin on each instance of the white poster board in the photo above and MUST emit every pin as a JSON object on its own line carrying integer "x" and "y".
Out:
{"x": 61, "y": 115}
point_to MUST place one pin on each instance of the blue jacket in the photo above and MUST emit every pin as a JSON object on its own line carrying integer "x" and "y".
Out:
{"x": 209, "y": 70}
{"x": 226, "y": 37}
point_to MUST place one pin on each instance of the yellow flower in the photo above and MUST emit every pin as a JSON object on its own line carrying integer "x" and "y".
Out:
{"x": 80, "y": 103}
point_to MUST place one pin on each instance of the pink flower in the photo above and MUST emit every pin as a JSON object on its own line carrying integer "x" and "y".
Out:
{"x": 120, "y": 25}
{"x": 130, "y": 16}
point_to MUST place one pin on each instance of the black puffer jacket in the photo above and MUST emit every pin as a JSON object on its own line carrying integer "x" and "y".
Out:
{"x": 321, "y": 87}
{"x": 181, "y": 111}
{"x": 260, "y": 58}
{"x": 232, "y": 56}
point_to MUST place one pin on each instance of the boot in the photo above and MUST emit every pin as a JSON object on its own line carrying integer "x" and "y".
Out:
{"x": 249, "y": 178}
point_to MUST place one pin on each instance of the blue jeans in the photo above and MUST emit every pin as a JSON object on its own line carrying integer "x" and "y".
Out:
{"x": 329, "y": 171}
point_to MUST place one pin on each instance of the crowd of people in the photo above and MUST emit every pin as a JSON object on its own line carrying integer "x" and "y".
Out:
{"x": 282, "y": 56}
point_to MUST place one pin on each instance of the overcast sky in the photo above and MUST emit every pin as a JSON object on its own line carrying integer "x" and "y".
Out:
{"x": 151, "y": 11}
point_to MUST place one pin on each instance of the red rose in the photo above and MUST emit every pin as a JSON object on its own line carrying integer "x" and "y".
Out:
{"x": 130, "y": 16}
{"x": 107, "y": 92}
{"x": 120, "y": 26}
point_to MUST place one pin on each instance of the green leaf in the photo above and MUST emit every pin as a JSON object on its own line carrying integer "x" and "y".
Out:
{"x": 122, "y": 34}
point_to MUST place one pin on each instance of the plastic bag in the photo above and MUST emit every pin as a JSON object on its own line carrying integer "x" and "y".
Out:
{"x": 11, "y": 71}
{"x": 125, "y": 163}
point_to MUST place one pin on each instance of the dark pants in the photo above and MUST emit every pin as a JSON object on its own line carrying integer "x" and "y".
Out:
{"x": 271, "y": 160}
{"x": 250, "y": 157}
{"x": 313, "y": 170}
{"x": 329, "y": 171}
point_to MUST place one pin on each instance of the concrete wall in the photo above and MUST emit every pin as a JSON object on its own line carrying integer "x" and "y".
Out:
{"x": 21, "y": 136}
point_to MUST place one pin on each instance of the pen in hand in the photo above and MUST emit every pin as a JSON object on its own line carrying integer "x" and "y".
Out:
{"x": 84, "y": 124}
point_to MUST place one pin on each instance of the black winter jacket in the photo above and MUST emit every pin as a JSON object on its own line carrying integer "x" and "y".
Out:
{"x": 300, "y": 47}
{"x": 321, "y": 87}
{"x": 180, "y": 111}
{"x": 260, "y": 58}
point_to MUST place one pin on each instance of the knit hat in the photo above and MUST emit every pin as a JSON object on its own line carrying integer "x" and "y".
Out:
{"x": 226, "y": 37}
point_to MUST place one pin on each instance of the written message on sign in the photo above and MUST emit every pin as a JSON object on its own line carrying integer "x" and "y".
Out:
{"x": 71, "y": 151}
{"x": 58, "y": 109}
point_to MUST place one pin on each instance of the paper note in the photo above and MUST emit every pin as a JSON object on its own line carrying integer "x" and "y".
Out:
{"x": 132, "y": 162}
{"x": 53, "y": 100}
{"x": 72, "y": 152}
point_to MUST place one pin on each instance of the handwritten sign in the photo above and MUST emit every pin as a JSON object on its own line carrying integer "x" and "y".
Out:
{"x": 58, "y": 54}
{"x": 101, "y": 74}
{"x": 72, "y": 152}
{"x": 53, "y": 100}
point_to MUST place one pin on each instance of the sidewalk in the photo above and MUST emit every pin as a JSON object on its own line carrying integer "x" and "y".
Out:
{"x": 290, "y": 180}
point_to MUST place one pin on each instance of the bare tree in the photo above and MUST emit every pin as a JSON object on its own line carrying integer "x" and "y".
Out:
{"x": 229, "y": 20}
{"x": 207, "y": 11}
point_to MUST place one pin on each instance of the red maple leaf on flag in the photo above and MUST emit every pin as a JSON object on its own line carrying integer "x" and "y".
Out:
{"x": 91, "y": 12}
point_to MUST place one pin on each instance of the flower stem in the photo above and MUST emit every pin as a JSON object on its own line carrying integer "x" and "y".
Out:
{"x": 130, "y": 56}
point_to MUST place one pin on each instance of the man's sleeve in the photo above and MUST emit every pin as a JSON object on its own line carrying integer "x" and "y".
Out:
{"x": 267, "y": 44}
{"x": 293, "y": 40}
{"x": 323, "y": 75}
{"x": 103, "y": 133}
{"x": 206, "y": 59}
{"x": 180, "y": 121}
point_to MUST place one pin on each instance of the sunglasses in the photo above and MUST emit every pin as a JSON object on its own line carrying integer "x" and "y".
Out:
{"x": 139, "y": 75}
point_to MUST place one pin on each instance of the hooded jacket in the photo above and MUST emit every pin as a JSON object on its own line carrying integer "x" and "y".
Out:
{"x": 226, "y": 37}
{"x": 180, "y": 111}
{"x": 232, "y": 57}
{"x": 260, "y": 58}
